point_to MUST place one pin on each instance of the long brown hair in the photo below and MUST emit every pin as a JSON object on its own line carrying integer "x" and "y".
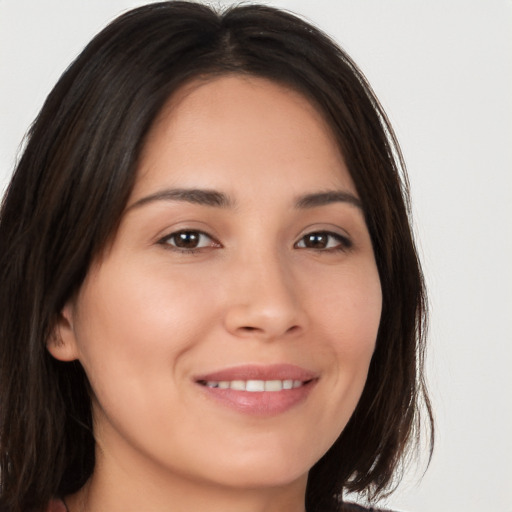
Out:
{"x": 68, "y": 193}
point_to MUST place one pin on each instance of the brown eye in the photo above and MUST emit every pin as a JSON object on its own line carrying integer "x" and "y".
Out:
{"x": 324, "y": 240}
{"x": 316, "y": 241}
{"x": 189, "y": 240}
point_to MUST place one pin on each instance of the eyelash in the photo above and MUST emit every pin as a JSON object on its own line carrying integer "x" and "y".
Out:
{"x": 342, "y": 243}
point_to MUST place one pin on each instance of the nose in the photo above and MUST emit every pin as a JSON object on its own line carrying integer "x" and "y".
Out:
{"x": 264, "y": 300}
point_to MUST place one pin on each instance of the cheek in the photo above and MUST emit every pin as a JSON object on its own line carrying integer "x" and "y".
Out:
{"x": 349, "y": 316}
{"x": 134, "y": 326}
{"x": 350, "y": 311}
{"x": 137, "y": 303}
{"x": 133, "y": 318}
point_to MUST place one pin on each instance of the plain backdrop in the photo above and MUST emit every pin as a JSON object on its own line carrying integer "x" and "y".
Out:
{"x": 443, "y": 71}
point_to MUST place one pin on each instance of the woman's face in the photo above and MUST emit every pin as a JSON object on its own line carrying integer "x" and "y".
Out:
{"x": 242, "y": 268}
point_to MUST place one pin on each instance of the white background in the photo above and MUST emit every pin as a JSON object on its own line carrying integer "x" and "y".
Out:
{"x": 443, "y": 71}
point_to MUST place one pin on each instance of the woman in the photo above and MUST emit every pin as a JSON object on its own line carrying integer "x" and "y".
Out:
{"x": 211, "y": 298}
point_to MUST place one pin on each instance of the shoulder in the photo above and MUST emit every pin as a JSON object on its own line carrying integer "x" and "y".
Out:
{"x": 56, "y": 506}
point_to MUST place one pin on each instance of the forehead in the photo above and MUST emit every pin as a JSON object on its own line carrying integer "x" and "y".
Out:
{"x": 232, "y": 129}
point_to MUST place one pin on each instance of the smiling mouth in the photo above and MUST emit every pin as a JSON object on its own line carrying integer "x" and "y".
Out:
{"x": 255, "y": 386}
{"x": 259, "y": 390}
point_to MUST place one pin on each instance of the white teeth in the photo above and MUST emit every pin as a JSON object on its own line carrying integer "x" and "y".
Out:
{"x": 255, "y": 385}
{"x": 273, "y": 385}
{"x": 239, "y": 385}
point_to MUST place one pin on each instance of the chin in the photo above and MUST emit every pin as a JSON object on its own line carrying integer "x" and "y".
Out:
{"x": 264, "y": 468}
{"x": 255, "y": 477}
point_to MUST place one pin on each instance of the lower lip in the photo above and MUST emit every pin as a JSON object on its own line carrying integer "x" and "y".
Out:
{"x": 260, "y": 403}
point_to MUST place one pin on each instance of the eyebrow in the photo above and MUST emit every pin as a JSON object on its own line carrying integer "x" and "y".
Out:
{"x": 220, "y": 200}
{"x": 192, "y": 195}
{"x": 329, "y": 197}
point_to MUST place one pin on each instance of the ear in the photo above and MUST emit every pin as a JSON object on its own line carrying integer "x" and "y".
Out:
{"x": 62, "y": 343}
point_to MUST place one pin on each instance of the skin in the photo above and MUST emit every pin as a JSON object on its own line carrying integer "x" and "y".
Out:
{"x": 150, "y": 316}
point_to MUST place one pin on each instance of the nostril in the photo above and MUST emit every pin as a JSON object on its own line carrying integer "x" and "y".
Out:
{"x": 249, "y": 328}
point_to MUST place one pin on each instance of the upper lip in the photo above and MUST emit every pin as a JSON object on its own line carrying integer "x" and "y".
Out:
{"x": 259, "y": 372}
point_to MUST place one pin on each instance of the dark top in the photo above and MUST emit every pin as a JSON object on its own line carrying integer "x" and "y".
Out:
{"x": 352, "y": 507}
